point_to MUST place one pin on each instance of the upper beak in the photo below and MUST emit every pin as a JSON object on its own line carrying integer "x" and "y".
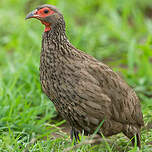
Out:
{"x": 32, "y": 14}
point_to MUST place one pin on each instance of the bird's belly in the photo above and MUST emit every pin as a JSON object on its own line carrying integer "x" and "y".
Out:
{"x": 68, "y": 104}
{"x": 81, "y": 111}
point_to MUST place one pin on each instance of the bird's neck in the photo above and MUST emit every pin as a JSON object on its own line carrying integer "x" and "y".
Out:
{"x": 57, "y": 31}
{"x": 55, "y": 40}
{"x": 56, "y": 34}
{"x": 56, "y": 45}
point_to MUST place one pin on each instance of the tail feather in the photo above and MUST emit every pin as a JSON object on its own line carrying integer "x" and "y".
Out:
{"x": 133, "y": 133}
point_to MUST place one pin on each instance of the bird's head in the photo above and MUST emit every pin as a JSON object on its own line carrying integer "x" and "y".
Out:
{"x": 47, "y": 14}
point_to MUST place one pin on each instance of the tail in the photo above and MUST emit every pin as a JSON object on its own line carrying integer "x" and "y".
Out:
{"x": 133, "y": 133}
{"x": 138, "y": 140}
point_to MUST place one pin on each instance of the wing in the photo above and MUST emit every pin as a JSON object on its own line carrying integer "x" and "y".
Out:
{"x": 125, "y": 106}
{"x": 93, "y": 104}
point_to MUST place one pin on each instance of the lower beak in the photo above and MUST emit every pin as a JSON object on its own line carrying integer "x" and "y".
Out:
{"x": 31, "y": 14}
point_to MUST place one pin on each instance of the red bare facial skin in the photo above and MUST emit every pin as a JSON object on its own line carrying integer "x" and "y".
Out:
{"x": 42, "y": 13}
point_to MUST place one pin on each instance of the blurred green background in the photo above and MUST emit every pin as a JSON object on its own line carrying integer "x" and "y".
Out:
{"x": 116, "y": 32}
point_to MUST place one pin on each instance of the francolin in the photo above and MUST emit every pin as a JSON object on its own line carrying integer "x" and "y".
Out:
{"x": 85, "y": 91}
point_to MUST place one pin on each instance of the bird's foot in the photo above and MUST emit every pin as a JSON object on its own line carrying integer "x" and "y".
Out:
{"x": 74, "y": 135}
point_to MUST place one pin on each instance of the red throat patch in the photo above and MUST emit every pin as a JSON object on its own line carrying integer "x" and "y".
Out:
{"x": 47, "y": 26}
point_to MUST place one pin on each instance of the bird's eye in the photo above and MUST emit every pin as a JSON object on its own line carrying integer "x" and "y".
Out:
{"x": 46, "y": 11}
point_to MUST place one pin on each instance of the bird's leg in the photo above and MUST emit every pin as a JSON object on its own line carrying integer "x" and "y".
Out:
{"x": 74, "y": 134}
{"x": 98, "y": 133}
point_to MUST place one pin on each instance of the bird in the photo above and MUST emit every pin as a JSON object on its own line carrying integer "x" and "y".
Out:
{"x": 85, "y": 91}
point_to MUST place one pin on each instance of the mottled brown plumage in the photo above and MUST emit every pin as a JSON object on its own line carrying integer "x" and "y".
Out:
{"x": 84, "y": 91}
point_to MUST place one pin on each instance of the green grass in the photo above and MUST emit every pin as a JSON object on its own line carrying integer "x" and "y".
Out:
{"x": 119, "y": 34}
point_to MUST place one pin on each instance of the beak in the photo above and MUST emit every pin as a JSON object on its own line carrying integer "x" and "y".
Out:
{"x": 32, "y": 15}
